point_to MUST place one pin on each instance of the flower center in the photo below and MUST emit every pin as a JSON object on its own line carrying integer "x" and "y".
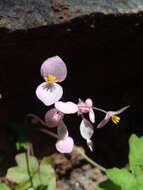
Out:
{"x": 51, "y": 79}
{"x": 115, "y": 119}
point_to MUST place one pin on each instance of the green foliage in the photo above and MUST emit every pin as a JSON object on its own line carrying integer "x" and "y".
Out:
{"x": 21, "y": 145}
{"x": 127, "y": 179}
{"x": 4, "y": 187}
{"x": 136, "y": 154}
{"x": 31, "y": 175}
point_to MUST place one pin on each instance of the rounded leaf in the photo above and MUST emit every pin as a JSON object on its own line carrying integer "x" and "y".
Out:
{"x": 21, "y": 160}
{"x": 49, "y": 93}
{"x": 17, "y": 175}
{"x": 54, "y": 66}
{"x": 4, "y": 187}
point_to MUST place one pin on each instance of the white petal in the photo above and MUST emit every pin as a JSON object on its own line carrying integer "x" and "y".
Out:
{"x": 54, "y": 66}
{"x": 86, "y": 129}
{"x": 90, "y": 144}
{"x": 89, "y": 102}
{"x": 49, "y": 94}
{"x": 66, "y": 107}
{"x": 92, "y": 116}
{"x": 119, "y": 111}
{"x": 65, "y": 145}
{"x": 104, "y": 121}
{"x": 62, "y": 131}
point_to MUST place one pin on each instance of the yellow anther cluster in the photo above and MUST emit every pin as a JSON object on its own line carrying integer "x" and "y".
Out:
{"x": 115, "y": 119}
{"x": 51, "y": 79}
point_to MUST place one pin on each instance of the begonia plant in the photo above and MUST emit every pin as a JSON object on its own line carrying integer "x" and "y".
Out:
{"x": 53, "y": 71}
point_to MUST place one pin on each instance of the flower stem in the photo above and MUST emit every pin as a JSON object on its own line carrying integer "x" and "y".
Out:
{"x": 37, "y": 119}
{"x": 90, "y": 160}
{"x": 28, "y": 167}
{"x": 76, "y": 148}
{"x": 49, "y": 133}
{"x": 95, "y": 108}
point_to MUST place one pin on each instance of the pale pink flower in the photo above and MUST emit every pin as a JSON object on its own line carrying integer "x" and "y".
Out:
{"x": 113, "y": 116}
{"x": 53, "y": 70}
{"x": 66, "y": 107}
{"x": 86, "y": 128}
{"x": 86, "y": 107}
{"x": 65, "y": 143}
{"x": 86, "y": 131}
{"x": 81, "y": 107}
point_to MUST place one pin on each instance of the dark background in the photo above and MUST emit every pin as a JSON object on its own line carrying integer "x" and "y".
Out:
{"x": 103, "y": 55}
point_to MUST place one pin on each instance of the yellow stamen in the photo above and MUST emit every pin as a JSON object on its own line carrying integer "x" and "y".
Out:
{"x": 115, "y": 119}
{"x": 51, "y": 79}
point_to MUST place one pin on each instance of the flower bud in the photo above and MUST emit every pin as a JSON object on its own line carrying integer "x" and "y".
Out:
{"x": 53, "y": 118}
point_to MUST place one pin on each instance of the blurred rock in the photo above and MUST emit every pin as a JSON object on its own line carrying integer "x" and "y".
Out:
{"x": 26, "y": 14}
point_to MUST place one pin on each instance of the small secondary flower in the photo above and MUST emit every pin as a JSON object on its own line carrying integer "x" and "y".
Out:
{"x": 65, "y": 143}
{"x": 86, "y": 131}
{"x": 113, "y": 116}
{"x": 54, "y": 118}
{"x": 80, "y": 108}
{"x": 86, "y": 107}
{"x": 86, "y": 128}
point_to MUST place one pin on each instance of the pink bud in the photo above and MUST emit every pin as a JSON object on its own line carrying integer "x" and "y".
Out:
{"x": 53, "y": 118}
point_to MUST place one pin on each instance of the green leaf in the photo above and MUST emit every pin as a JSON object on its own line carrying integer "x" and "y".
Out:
{"x": 42, "y": 176}
{"x": 22, "y": 145}
{"x": 139, "y": 179}
{"x": 107, "y": 185}
{"x": 17, "y": 174}
{"x": 48, "y": 172}
{"x": 123, "y": 178}
{"x": 46, "y": 166}
{"x": 52, "y": 183}
{"x": 4, "y": 187}
{"x": 42, "y": 187}
{"x": 136, "y": 154}
{"x": 20, "y": 173}
{"x": 23, "y": 186}
{"x": 46, "y": 175}
{"x": 23, "y": 161}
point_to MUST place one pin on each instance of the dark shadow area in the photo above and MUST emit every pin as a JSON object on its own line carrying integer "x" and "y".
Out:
{"x": 103, "y": 54}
